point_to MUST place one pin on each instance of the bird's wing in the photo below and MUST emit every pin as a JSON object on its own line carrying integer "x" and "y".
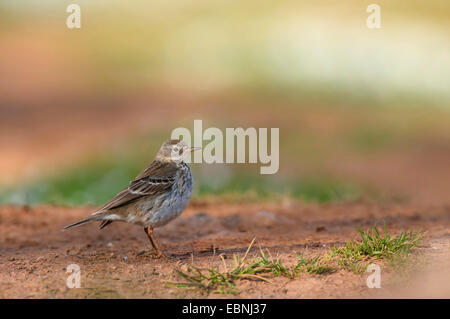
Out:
{"x": 158, "y": 169}
{"x": 156, "y": 179}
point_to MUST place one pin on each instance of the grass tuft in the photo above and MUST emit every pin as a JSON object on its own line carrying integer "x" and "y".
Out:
{"x": 261, "y": 268}
{"x": 213, "y": 279}
{"x": 354, "y": 256}
{"x": 313, "y": 265}
{"x": 375, "y": 245}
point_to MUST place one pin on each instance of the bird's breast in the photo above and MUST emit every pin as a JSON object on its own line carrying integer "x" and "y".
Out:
{"x": 169, "y": 206}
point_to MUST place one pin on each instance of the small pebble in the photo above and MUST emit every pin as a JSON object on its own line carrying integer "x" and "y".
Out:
{"x": 125, "y": 258}
{"x": 109, "y": 244}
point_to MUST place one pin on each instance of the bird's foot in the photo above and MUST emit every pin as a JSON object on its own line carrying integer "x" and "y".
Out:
{"x": 158, "y": 255}
{"x": 154, "y": 255}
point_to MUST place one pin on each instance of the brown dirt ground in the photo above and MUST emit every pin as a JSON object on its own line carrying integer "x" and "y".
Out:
{"x": 34, "y": 251}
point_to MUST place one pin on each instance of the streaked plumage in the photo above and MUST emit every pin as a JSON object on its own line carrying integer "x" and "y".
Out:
{"x": 156, "y": 196}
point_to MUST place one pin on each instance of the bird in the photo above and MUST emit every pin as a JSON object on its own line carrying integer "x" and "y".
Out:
{"x": 155, "y": 197}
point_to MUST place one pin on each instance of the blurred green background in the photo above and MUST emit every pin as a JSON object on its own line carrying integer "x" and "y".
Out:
{"x": 363, "y": 113}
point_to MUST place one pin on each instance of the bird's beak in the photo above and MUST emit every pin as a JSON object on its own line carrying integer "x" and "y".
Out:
{"x": 193, "y": 149}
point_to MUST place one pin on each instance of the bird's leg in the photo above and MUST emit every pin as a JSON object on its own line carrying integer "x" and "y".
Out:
{"x": 149, "y": 232}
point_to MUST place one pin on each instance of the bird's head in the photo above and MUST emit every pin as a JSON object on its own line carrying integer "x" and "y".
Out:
{"x": 173, "y": 150}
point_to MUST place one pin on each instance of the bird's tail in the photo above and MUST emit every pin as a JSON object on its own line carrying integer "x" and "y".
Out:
{"x": 86, "y": 220}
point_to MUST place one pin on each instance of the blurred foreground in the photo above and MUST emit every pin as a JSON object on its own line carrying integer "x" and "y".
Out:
{"x": 116, "y": 262}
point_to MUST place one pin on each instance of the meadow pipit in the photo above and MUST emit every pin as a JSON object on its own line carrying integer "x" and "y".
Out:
{"x": 155, "y": 197}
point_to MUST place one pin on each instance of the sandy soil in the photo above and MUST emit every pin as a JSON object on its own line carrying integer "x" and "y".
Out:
{"x": 35, "y": 252}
